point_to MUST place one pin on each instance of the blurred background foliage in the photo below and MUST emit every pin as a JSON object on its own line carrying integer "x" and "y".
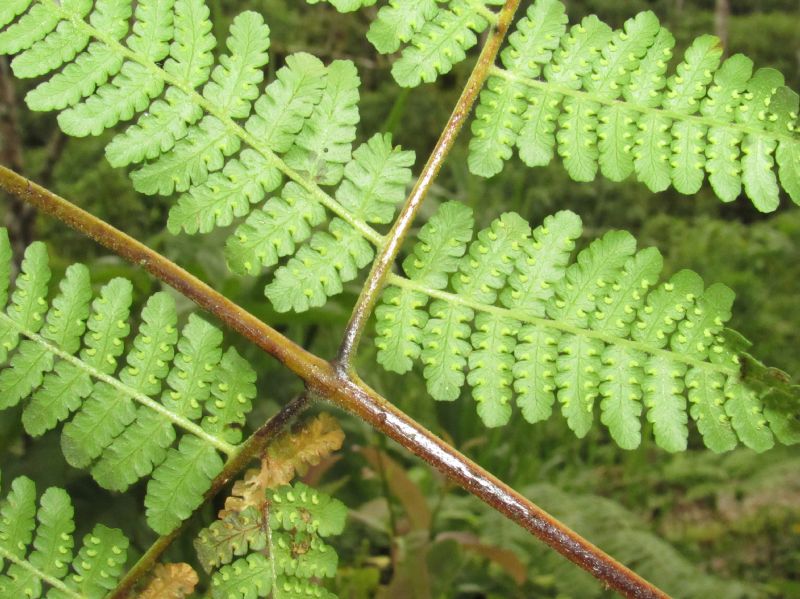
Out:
{"x": 699, "y": 524}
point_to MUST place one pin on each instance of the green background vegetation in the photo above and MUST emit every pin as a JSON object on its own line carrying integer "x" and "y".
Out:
{"x": 698, "y": 524}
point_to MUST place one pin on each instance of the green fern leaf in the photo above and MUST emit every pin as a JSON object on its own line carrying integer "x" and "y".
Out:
{"x": 85, "y": 436}
{"x": 132, "y": 89}
{"x": 53, "y": 544}
{"x": 64, "y": 325}
{"x": 30, "y": 28}
{"x": 280, "y": 542}
{"x": 585, "y": 122}
{"x": 440, "y": 44}
{"x": 234, "y": 535}
{"x": 785, "y": 106}
{"x": 11, "y": 9}
{"x": 398, "y": 22}
{"x": 374, "y": 183}
{"x": 575, "y": 296}
{"x": 59, "y": 46}
{"x": 28, "y": 300}
{"x": 232, "y": 394}
{"x": 46, "y": 559}
{"x": 605, "y": 102}
{"x": 224, "y": 196}
{"x": 144, "y": 442}
{"x": 746, "y": 412}
{"x": 202, "y": 151}
{"x": 481, "y": 274}
{"x": 400, "y": 321}
{"x": 663, "y": 389}
{"x": 177, "y": 486}
{"x": 17, "y": 518}
{"x": 319, "y": 269}
{"x": 541, "y": 265}
{"x": 273, "y": 232}
{"x": 620, "y": 58}
{"x": 91, "y": 68}
{"x": 288, "y": 101}
{"x": 100, "y": 562}
{"x": 722, "y": 153}
{"x": 299, "y": 507}
{"x": 234, "y": 82}
{"x": 600, "y": 328}
{"x": 319, "y": 560}
{"x": 168, "y": 120}
{"x": 534, "y": 372}
{"x": 323, "y": 145}
{"x": 209, "y": 133}
{"x": 246, "y": 578}
{"x": 120, "y": 431}
{"x": 499, "y": 115}
{"x": 684, "y": 90}
{"x": 571, "y": 62}
{"x": 375, "y": 180}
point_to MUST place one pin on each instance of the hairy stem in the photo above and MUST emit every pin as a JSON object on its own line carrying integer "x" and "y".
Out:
{"x": 346, "y": 391}
{"x": 381, "y": 267}
{"x": 251, "y": 448}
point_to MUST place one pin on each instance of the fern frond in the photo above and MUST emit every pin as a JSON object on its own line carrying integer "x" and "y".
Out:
{"x": 123, "y": 419}
{"x": 289, "y": 455}
{"x": 604, "y": 102}
{"x": 517, "y": 319}
{"x": 211, "y": 134}
{"x": 436, "y": 34}
{"x": 374, "y": 184}
{"x": 36, "y": 546}
{"x": 282, "y": 544}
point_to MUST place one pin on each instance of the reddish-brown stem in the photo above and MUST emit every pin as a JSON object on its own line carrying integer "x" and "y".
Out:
{"x": 381, "y": 267}
{"x": 348, "y": 392}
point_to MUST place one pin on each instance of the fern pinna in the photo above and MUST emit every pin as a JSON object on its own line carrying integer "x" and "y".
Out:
{"x": 63, "y": 361}
{"x": 604, "y": 102}
{"x": 37, "y": 548}
{"x": 512, "y": 316}
{"x": 280, "y": 541}
{"x": 274, "y": 527}
{"x": 213, "y": 137}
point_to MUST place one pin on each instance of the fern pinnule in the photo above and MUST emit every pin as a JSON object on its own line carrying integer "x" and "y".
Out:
{"x": 517, "y": 319}
{"x": 122, "y": 421}
{"x": 37, "y": 545}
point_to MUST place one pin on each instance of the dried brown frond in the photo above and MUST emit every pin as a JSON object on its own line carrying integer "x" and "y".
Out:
{"x": 290, "y": 455}
{"x": 170, "y": 581}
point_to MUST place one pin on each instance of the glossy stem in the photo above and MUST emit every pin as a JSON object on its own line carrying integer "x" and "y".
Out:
{"x": 387, "y": 254}
{"x": 346, "y": 391}
{"x": 251, "y": 448}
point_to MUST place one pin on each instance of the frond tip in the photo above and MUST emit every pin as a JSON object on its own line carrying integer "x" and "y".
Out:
{"x": 604, "y": 102}
{"x": 37, "y": 548}
{"x": 177, "y": 403}
{"x": 512, "y": 316}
